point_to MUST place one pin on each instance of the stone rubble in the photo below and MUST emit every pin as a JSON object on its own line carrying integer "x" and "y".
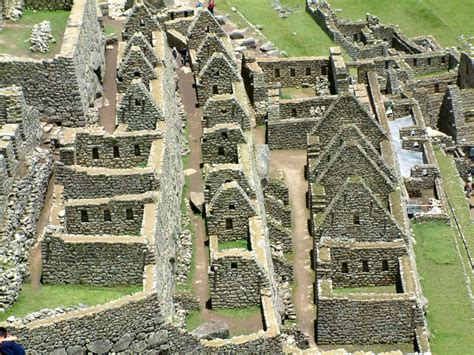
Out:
{"x": 41, "y": 37}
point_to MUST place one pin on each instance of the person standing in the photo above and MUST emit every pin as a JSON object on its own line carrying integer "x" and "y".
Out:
{"x": 211, "y": 6}
{"x": 8, "y": 344}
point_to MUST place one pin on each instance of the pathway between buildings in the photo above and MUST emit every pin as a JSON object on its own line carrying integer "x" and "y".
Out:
{"x": 292, "y": 163}
{"x": 107, "y": 113}
{"x": 195, "y": 182}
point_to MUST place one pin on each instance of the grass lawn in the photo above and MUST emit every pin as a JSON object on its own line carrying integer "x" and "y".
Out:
{"x": 14, "y": 39}
{"x": 238, "y": 244}
{"x": 378, "y": 289}
{"x": 194, "y": 319}
{"x": 309, "y": 40}
{"x": 445, "y": 20}
{"x": 450, "y": 312}
{"x": 452, "y": 185}
{"x": 52, "y": 296}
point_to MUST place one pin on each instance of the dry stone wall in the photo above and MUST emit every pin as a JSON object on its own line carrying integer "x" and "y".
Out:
{"x": 117, "y": 217}
{"x": 220, "y": 144}
{"x": 225, "y": 109}
{"x": 93, "y": 262}
{"x": 80, "y": 184}
{"x": 49, "y": 4}
{"x": 226, "y": 278}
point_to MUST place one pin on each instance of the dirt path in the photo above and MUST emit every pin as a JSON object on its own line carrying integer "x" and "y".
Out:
{"x": 107, "y": 114}
{"x": 292, "y": 163}
{"x": 201, "y": 281}
{"x": 35, "y": 264}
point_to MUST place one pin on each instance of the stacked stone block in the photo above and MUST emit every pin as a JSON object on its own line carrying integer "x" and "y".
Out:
{"x": 134, "y": 65}
{"x": 220, "y": 143}
{"x": 140, "y": 19}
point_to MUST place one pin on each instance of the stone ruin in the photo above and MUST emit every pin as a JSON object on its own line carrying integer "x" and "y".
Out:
{"x": 116, "y": 195}
{"x": 41, "y": 37}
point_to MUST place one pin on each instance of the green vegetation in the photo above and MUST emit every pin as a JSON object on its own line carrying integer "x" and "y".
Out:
{"x": 297, "y": 92}
{"x": 142, "y": 165}
{"x": 52, "y": 296}
{"x": 452, "y": 184}
{"x": 450, "y": 311}
{"x": 195, "y": 319}
{"x": 445, "y": 20}
{"x": 238, "y": 244}
{"x": 298, "y": 34}
{"x": 373, "y": 289}
{"x": 14, "y": 39}
{"x": 432, "y": 75}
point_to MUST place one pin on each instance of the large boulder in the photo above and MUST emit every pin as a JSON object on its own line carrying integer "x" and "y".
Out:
{"x": 237, "y": 34}
{"x": 212, "y": 330}
{"x": 101, "y": 346}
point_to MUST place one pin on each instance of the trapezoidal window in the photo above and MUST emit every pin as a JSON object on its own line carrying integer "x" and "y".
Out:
{"x": 277, "y": 73}
{"x": 116, "y": 152}
{"x": 136, "y": 74}
{"x": 224, "y": 135}
{"x": 294, "y": 113}
{"x": 344, "y": 268}
{"x": 233, "y": 265}
{"x": 292, "y": 72}
{"x": 231, "y": 206}
{"x": 387, "y": 64}
{"x": 365, "y": 266}
{"x": 229, "y": 224}
{"x": 324, "y": 70}
{"x": 384, "y": 265}
{"x": 129, "y": 214}
{"x": 142, "y": 23}
{"x": 95, "y": 153}
{"x": 107, "y": 216}
{"x": 138, "y": 102}
{"x": 136, "y": 150}
{"x": 415, "y": 62}
{"x": 308, "y": 71}
{"x": 220, "y": 151}
{"x": 429, "y": 61}
{"x": 215, "y": 90}
{"x": 84, "y": 216}
{"x": 436, "y": 87}
{"x": 356, "y": 219}
{"x": 443, "y": 60}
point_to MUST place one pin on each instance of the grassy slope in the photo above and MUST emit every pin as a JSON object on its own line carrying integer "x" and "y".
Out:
{"x": 452, "y": 185}
{"x": 309, "y": 40}
{"x": 450, "y": 310}
{"x": 52, "y": 296}
{"x": 445, "y": 20}
{"x": 15, "y": 40}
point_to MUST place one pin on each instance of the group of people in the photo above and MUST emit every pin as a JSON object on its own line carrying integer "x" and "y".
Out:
{"x": 210, "y": 6}
{"x": 8, "y": 344}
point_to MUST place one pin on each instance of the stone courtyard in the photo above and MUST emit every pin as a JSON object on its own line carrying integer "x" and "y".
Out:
{"x": 254, "y": 202}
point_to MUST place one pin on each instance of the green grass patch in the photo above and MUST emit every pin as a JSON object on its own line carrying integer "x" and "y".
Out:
{"x": 238, "y": 244}
{"x": 369, "y": 289}
{"x": 450, "y": 310}
{"x": 298, "y": 34}
{"x": 52, "y": 296}
{"x": 14, "y": 39}
{"x": 193, "y": 320}
{"x": 239, "y": 313}
{"x": 445, "y": 20}
{"x": 452, "y": 184}
{"x": 432, "y": 75}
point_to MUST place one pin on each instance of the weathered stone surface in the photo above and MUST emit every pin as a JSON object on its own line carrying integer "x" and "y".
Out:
{"x": 124, "y": 342}
{"x": 267, "y": 47}
{"x": 101, "y": 346}
{"x": 197, "y": 200}
{"x": 237, "y": 34}
{"x": 212, "y": 330}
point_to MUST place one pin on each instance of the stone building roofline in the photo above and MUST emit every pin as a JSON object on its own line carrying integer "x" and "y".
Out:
{"x": 363, "y": 153}
{"x": 345, "y": 100}
{"x": 136, "y": 58}
{"x": 234, "y": 185}
{"x": 350, "y": 184}
{"x": 205, "y": 16}
{"x": 137, "y": 7}
{"x": 211, "y": 64}
{"x": 212, "y": 37}
{"x": 364, "y": 142}
{"x": 138, "y": 39}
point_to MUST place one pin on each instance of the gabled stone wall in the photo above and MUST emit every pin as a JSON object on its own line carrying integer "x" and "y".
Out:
{"x": 217, "y": 175}
{"x": 141, "y": 20}
{"x": 221, "y": 109}
{"x": 134, "y": 65}
{"x": 220, "y": 144}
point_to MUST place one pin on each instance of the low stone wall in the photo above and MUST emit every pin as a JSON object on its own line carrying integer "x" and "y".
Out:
{"x": 49, "y": 4}
{"x": 283, "y": 268}
{"x": 116, "y": 217}
{"x": 93, "y": 262}
{"x": 235, "y": 282}
{"x": 371, "y": 321}
{"x": 289, "y": 134}
{"x": 278, "y": 189}
{"x": 78, "y": 184}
